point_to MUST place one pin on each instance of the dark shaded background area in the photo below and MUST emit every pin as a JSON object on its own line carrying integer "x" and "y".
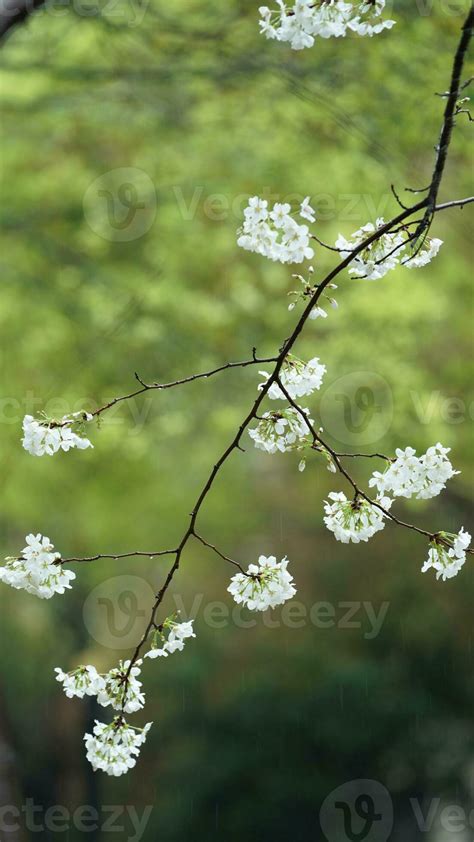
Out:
{"x": 254, "y": 727}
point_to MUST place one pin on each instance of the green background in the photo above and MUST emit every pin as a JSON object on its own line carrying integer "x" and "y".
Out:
{"x": 254, "y": 727}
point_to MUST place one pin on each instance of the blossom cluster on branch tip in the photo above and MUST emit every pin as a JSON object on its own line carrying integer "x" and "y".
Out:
{"x": 298, "y": 378}
{"x": 84, "y": 681}
{"x": 274, "y": 233}
{"x": 304, "y": 20}
{"x": 387, "y": 252}
{"x": 114, "y": 748}
{"x": 177, "y": 634}
{"x": 265, "y": 585}
{"x": 37, "y": 570}
{"x": 354, "y": 520}
{"x": 411, "y": 475}
{"x": 447, "y": 554}
{"x": 424, "y": 255}
{"x": 281, "y": 430}
{"x": 46, "y": 437}
{"x": 118, "y": 688}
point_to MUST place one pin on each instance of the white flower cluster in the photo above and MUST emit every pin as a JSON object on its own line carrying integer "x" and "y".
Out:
{"x": 275, "y": 234}
{"x": 114, "y": 748}
{"x": 298, "y": 378}
{"x": 108, "y": 687}
{"x": 178, "y": 633}
{"x": 265, "y": 585}
{"x": 112, "y": 692}
{"x": 425, "y": 255}
{"x": 36, "y": 571}
{"x": 281, "y": 431}
{"x": 408, "y": 475}
{"x": 384, "y": 254}
{"x": 353, "y": 520}
{"x": 302, "y": 22}
{"x": 447, "y": 559}
{"x": 85, "y": 681}
{"x": 47, "y": 437}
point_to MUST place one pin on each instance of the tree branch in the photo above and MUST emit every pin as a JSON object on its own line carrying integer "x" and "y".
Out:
{"x": 455, "y": 89}
{"x": 149, "y": 387}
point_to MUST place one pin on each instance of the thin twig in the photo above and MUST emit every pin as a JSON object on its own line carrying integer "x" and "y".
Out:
{"x": 397, "y": 197}
{"x": 149, "y": 387}
{"x": 218, "y": 552}
{"x": 455, "y": 89}
{"x": 117, "y": 556}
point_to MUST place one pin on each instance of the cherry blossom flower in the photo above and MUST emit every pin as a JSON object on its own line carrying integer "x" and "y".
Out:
{"x": 119, "y": 687}
{"x": 298, "y": 378}
{"x": 304, "y": 20}
{"x": 281, "y": 430}
{"x": 265, "y": 585}
{"x": 447, "y": 556}
{"x": 37, "y": 570}
{"x": 353, "y": 520}
{"x": 178, "y": 633}
{"x": 114, "y": 748}
{"x": 306, "y": 211}
{"x": 425, "y": 255}
{"x": 411, "y": 475}
{"x": 386, "y": 253}
{"x": 122, "y": 692}
{"x": 275, "y": 234}
{"x": 84, "y": 681}
{"x": 42, "y": 437}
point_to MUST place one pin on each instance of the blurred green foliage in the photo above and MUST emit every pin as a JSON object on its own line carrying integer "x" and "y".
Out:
{"x": 253, "y": 727}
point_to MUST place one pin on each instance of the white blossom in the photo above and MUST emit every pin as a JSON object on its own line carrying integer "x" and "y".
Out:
{"x": 384, "y": 254}
{"x": 304, "y": 20}
{"x": 84, "y": 681}
{"x": 425, "y": 255}
{"x": 353, "y": 520}
{"x": 411, "y": 475}
{"x": 108, "y": 687}
{"x": 37, "y": 570}
{"x": 298, "y": 378}
{"x": 114, "y": 748}
{"x": 281, "y": 430}
{"x": 306, "y": 211}
{"x": 274, "y": 234}
{"x": 265, "y": 585}
{"x": 378, "y": 258}
{"x": 42, "y": 437}
{"x": 116, "y": 682}
{"x": 448, "y": 555}
{"x": 177, "y": 634}
{"x": 318, "y": 313}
